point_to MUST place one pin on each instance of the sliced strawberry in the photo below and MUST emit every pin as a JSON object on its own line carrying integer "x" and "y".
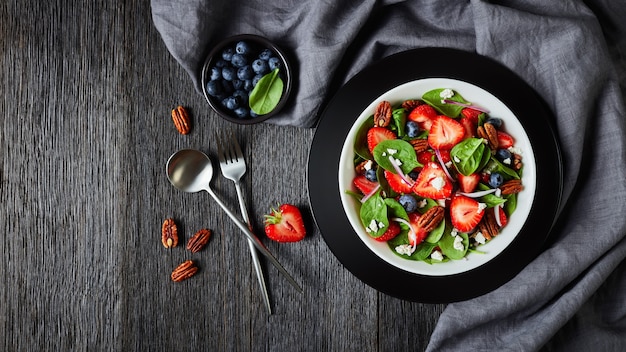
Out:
{"x": 445, "y": 133}
{"x": 465, "y": 213}
{"x": 470, "y": 124}
{"x": 425, "y": 157}
{"x": 468, "y": 184}
{"x": 418, "y": 234}
{"x": 376, "y": 135}
{"x": 364, "y": 185}
{"x": 505, "y": 140}
{"x": 471, "y": 113}
{"x": 503, "y": 218}
{"x": 396, "y": 182}
{"x": 432, "y": 182}
{"x": 392, "y": 231}
{"x": 423, "y": 115}
{"x": 285, "y": 224}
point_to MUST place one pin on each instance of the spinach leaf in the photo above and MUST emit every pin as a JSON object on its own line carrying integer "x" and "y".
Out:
{"x": 496, "y": 166}
{"x": 434, "y": 99}
{"x": 266, "y": 93}
{"x": 491, "y": 200}
{"x": 511, "y": 204}
{"x": 395, "y": 209}
{"x": 435, "y": 235}
{"x": 447, "y": 246}
{"x": 470, "y": 155}
{"x": 398, "y": 117}
{"x": 360, "y": 141}
{"x": 374, "y": 212}
{"x": 403, "y": 151}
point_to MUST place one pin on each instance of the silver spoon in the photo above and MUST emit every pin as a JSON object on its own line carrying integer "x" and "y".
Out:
{"x": 191, "y": 171}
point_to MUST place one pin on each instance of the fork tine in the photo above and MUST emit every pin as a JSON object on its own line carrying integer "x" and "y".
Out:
{"x": 238, "y": 152}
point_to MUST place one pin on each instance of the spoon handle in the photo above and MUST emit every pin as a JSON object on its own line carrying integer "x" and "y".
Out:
{"x": 255, "y": 240}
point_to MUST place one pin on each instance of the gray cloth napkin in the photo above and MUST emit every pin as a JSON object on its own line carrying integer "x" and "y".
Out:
{"x": 573, "y": 296}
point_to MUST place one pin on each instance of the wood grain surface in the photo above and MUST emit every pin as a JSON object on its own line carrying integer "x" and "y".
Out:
{"x": 87, "y": 90}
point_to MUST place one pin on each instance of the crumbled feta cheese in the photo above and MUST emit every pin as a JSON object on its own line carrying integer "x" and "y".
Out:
{"x": 446, "y": 93}
{"x": 480, "y": 238}
{"x": 441, "y": 202}
{"x": 458, "y": 243}
{"x": 373, "y": 226}
{"x": 381, "y": 225}
{"x": 481, "y": 207}
{"x": 392, "y": 151}
{"x": 507, "y": 161}
{"x": 405, "y": 249}
{"x": 449, "y": 164}
{"x": 422, "y": 203}
{"x": 398, "y": 162}
{"x": 454, "y": 232}
{"x": 456, "y": 159}
{"x": 484, "y": 141}
{"x": 368, "y": 165}
{"x": 515, "y": 150}
{"x": 436, "y": 255}
{"x": 438, "y": 183}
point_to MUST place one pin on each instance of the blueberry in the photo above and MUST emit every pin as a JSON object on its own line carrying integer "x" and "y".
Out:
{"x": 413, "y": 175}
{"x": 256, "y": 79}
{"x": 496, "y": 122}
{"x": 412, "y": 129}
{"x": 214, "y": 88}
{"x": 273, "y": 63}
{"x": 371, "y": 175}
{"x": 266, "y": 54}
{"x": 503, "y": 154}
{"x": 408, "y": 202}
{"x": 238, "y": 84}
{"x": 260, "y": 67}
{"x": 253, "y": 114}
{"x": 239, "y": 60}
{"x": 242, "y": 96}
{"x": 248, "y": 85}
{"x": 245, "y": 72}
{"x": 243, "y": 48}
{"x": 495, "y": 180}
{"x": 228, "y": 53}
{"x": 242, "y": 112}
{"x": 228, "y": 73}
{"x": 221, "y": 63}
{"x": 216, "y": 73}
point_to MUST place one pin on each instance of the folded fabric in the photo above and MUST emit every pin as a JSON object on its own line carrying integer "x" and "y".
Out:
{"x": 567, "y": 51}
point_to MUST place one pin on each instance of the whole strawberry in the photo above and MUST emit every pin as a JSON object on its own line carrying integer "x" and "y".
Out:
{"x": 285, "y": 224}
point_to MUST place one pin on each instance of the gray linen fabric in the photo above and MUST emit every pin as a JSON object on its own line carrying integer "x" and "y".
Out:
{"x": 571, "y": 52}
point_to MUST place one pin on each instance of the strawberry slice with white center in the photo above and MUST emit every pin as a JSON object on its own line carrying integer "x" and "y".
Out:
{"x": 467, "y": 184}
{"x": 505, "y": 140}
{"x": 364, "y": 185}
{"x": 376, "y": 135}
{"x": 465, "y": 213}
{"x": 445, "y": 133}
{"x": 432, "y": 182}
{"x": 396, "y": 183}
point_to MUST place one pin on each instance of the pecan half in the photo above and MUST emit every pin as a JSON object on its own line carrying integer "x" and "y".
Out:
{"x": 181, "y": 120}
{"x": 199, "y": 240}
{"x": 431, "y": 218}
{"x": 169, "y": 233}
{"x": 411, "y": 104}
{"x": 419, "y": 145}
{"x": 517, "y": 162}
{"x": 382, "y": 114}
{"x": 512, "y": 186}
{"x": 184, "y": 271}
{"x": 488, "y": 132}
{"x": 488, "y": 226}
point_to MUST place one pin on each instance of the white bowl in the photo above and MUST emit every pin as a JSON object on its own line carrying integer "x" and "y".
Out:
{"x": 479, "y": 97}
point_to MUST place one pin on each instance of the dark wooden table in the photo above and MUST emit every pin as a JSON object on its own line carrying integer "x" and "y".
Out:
{"x": 87, "y": 90}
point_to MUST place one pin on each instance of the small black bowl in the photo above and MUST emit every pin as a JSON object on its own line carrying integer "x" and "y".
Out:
{"x": 256, "y": 44}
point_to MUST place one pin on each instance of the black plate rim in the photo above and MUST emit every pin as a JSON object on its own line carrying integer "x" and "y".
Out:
{"x": 359, "y": 91}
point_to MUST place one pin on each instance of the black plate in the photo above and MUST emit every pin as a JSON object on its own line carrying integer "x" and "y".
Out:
{"x": 344, "y": 109}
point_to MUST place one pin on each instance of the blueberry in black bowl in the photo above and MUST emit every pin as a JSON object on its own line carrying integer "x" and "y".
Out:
{"x": 246, "y": 79}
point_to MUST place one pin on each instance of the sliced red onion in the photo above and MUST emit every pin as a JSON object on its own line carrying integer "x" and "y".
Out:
{"x": 473, "y": 107}
{"x": 367, "y": 196}
{"x": 479, "y": 193}
{"x": 411, "y": 234}
{"x": 404, "y": 177}
{"x": 496, "y": 211}
{"x": 443, "y": 165}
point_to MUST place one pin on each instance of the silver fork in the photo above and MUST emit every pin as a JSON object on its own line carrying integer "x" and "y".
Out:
{"x": 233, "y": 167}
